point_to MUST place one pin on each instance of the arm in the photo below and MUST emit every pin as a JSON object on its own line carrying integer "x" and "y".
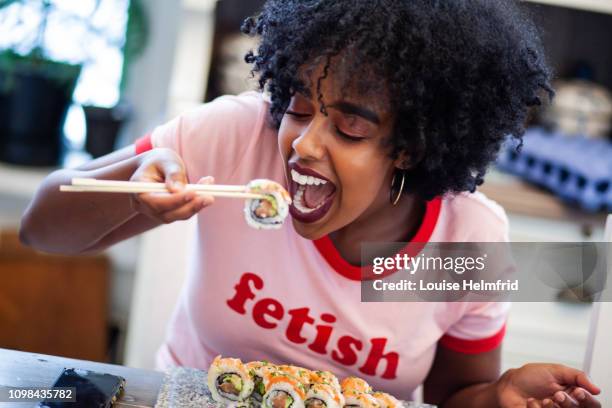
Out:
{"x": 463, "y": 380}
{"x": 77, "y": 223}
{"x": 208, "y": 138}
{"x": 83, "y": 218}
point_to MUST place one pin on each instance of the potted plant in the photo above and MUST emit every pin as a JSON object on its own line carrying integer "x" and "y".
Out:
{"x": 36, "y": 90}
{"x": 35, "y": 93}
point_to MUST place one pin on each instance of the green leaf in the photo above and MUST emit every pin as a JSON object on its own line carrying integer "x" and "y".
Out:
{"x": 136, "y": 37}
{"x": 6, "y": 3}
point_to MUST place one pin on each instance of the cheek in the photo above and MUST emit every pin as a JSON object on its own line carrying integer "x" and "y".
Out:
{"x": 286, "y": 135}
{"x": 362, "y": 175}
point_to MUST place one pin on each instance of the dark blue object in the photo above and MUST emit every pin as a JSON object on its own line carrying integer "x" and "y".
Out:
{"x": 92, "y": 389}
{"x": 576, "y": 168}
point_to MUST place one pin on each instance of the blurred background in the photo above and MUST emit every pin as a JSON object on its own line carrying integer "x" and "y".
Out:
{"x": 80, "y": 78}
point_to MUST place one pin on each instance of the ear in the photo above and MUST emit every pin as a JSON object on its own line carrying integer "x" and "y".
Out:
{"x": 404, "y": 161}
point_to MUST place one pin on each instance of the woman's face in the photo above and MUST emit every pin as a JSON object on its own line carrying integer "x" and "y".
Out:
{"x": 338, "y": 169}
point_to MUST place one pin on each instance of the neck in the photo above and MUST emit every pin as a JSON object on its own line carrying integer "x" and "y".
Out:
{"x": 387, "y": 223}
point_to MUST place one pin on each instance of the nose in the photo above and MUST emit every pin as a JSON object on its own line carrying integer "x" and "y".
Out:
{"x": 309, "y": 144}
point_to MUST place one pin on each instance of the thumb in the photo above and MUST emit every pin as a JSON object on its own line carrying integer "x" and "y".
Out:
{"x": 207, "y": 180}
{"x": 572, "y": 377}
{"x": 585, "y": 382}
{"x": 174, "y": 176}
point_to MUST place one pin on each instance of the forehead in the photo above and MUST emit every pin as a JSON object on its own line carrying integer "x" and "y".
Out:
{"x": 342, "y": 78}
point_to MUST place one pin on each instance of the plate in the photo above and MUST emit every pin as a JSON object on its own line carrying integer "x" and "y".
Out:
{"x": 186, "y": 388}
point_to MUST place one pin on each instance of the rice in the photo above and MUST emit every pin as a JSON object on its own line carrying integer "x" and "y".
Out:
{"x": 283, "y": 391}
{"x": 268, "y": 213}
{"x": 229, "y": 381}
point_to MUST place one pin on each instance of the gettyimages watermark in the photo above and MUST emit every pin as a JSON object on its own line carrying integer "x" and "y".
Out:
{"x": 485, "y": 271}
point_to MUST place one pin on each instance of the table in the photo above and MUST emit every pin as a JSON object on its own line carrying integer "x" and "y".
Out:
{"x": 520, "y": 197}
{"x": 537, "y": 215}
{"x": 21, "y": 369}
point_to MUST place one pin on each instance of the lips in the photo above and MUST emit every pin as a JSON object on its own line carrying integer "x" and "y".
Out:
{"x": 312, "y": 194}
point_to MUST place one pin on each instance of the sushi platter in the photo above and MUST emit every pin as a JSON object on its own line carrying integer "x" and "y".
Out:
{"x": 187, "y": 387}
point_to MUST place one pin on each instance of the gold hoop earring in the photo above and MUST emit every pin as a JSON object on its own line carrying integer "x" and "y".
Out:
{"x": 399, "y": 194}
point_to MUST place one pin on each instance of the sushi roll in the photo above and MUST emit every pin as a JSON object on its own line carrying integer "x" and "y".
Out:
{"x": 357, "y": 399}
{"x": 302, "y": 374}
{"x": 355, "y": 384}
{"x": 283, "y": 391}
{"x": 323, "y": 395}
{"x": 268, "y": 213}
{"x": 229, "y": 381}
{"x": 259, "y": 372}
{"x": 325, "y": 377}
{"x": 386, "y": 400}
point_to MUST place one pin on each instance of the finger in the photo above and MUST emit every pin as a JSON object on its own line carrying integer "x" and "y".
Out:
{"x": 564, "y": 400}
{"x": 135, "y": 203}
{"x": 548, "y": 403}
{"x": 159, "y": 203}
{"x": 533, "y": 403}
{"x": 573, "y": 377}
{"x": 174, "y": 173}
{"x": 207, "y": 180}
{"x": 585, "y": 398}
{"x": 582, "y": 380}
{"x": 209, "y": 199}
{"x": 188, "y": 210}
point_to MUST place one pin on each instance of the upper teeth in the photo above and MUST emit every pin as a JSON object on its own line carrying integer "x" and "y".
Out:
{"x": 306, "y": 180}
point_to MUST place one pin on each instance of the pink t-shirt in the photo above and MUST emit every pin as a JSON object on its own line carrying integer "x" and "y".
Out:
{"x": 276, "y": 296}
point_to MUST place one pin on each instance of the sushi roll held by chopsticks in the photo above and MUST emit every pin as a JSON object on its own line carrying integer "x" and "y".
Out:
{"x": 269, "y": 212}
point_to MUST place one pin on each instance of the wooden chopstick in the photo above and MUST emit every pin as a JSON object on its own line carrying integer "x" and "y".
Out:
{"x": 121, "y": 183}
{"x": 102, "y": 189}
{"x": 111, "y": 186}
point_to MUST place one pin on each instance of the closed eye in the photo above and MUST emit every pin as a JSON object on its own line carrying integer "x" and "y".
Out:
{"x": 297, "y": 114}
{"x": 347, "y": 136}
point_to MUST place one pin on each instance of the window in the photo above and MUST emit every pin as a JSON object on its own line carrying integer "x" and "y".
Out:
{"x": 90, "y": 32}
{"x": 87, "y": 32}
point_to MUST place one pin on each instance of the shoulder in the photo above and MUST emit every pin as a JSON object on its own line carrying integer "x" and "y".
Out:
{"x": 473, "y": 217}
{"x": 244, "y": 110}
{"x": 216, "y": 137}
{"x": 229, "y": 115}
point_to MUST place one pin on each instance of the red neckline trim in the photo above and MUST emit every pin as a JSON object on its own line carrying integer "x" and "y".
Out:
{"x": 326, "y": 247}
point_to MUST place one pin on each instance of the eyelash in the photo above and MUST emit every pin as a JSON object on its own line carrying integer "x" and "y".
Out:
{"x": 348, "y": 137}
{"x": 297, "y": 115}
{"x": 338, "y": 131}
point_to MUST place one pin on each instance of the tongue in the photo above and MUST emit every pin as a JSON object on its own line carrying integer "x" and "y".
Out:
{"x": 315, "y": 195}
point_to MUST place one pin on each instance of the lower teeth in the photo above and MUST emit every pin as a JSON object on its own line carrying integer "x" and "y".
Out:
{"x": 298, "y": 201}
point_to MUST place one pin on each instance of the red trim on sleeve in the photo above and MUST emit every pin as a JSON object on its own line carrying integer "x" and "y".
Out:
{"x": 326, "y": 247}
{"x": 473, "y": 346}
{"x": 143, "y": 144}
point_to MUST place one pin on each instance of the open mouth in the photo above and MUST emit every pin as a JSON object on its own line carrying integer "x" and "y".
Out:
{"x": 312, "y": 194}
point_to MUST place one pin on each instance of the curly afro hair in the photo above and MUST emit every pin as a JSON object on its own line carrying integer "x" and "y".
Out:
{"x": 460, "y": 75}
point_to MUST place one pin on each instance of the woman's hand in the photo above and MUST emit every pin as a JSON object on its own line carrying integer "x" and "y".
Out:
{"x": 546, "y": 386}
{"x": 165, "y": 166}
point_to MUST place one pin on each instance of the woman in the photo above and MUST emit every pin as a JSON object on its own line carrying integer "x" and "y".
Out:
{"x": 380, "y": 118}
